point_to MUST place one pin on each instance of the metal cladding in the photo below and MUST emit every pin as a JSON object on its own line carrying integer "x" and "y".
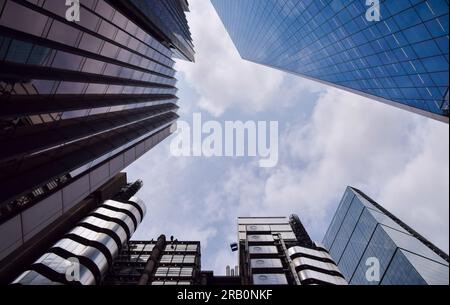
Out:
{"x": 315, "y": 266}
{"x": 279, "y": 251}
{"x": 85, "y": 254}
{"x": 153, "y": 260}
{"x": 360, "y": 225}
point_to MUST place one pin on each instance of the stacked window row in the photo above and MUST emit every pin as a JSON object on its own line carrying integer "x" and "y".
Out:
{"x": 170, "y": 17}
{"x": 103, "y": 21}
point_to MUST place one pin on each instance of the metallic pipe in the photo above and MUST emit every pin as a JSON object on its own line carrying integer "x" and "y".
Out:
{"x": 153, "y": 260}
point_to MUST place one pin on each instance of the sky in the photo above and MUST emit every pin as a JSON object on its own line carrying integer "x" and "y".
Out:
{"x": 328, "y": 139}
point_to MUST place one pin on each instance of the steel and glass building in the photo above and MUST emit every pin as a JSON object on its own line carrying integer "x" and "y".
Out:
{"x": 279, "y": 251}
{"x": 84, "y": 254}
{"x": 401, "y": 60}
{"x": 80, "y": 101}
{"x": 363, "y": 235}
{"x": 159, "y": 262}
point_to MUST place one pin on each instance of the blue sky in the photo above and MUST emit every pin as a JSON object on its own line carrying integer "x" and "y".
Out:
{"x": 328, "y": 139}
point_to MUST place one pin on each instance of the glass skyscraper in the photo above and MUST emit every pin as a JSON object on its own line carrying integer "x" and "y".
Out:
{"x": 80, "y": 100}
{"x": 362, "y": 232}
{"x": 401, "y": 60}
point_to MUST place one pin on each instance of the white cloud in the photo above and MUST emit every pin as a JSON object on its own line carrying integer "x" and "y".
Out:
{"x": 223, "y": 80}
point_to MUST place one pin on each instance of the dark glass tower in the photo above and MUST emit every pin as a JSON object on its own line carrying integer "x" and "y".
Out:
{"x": 401, "y": 60}
{"x": 362, "y": 231}
{"x": 80, "y": 100}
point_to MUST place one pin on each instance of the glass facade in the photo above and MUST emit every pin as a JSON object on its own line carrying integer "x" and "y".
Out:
{"x": 169, "y": 16}
{"x": 76, "y": 95}
{"x": 361, "y": 230}
{"x": 402, "y": 59}
{"x": 261, "y": 256}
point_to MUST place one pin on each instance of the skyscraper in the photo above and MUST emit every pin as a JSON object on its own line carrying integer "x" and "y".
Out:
{"x": 80, "y": 100}
{"x": 400, "y": 58}
{"x": 279, "y": 251}
{"x": 272, "y": 251}
{"x": 117, "y": 188}
{"x": 371, "y": 246}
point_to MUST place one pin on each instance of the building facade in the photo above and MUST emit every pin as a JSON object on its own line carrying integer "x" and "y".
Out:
{"x": 279, "y": 251}
{"x": 400, "y": 58}
{"x": 160, "y": 262}
{"x": 373, "y": 247}
{"x": 80, "y": 100}
{"x": 84, "y": 254}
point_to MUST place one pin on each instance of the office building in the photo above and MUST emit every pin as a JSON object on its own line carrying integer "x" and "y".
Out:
{"x": 400, "y": 58}
{"x": 117, "y": 188}
{"x": 272, "y": 251}
{"x": 279, "y": 251}
{"x": 163, "y": 262}
{"x": 159, "y": 262}
{"x": 84, "y": 254}
{"x": 229, "y": 271}
{"x": 373, "y": 247}
{"x": 80, "y": 101}
{"x": 168, "y": 16}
